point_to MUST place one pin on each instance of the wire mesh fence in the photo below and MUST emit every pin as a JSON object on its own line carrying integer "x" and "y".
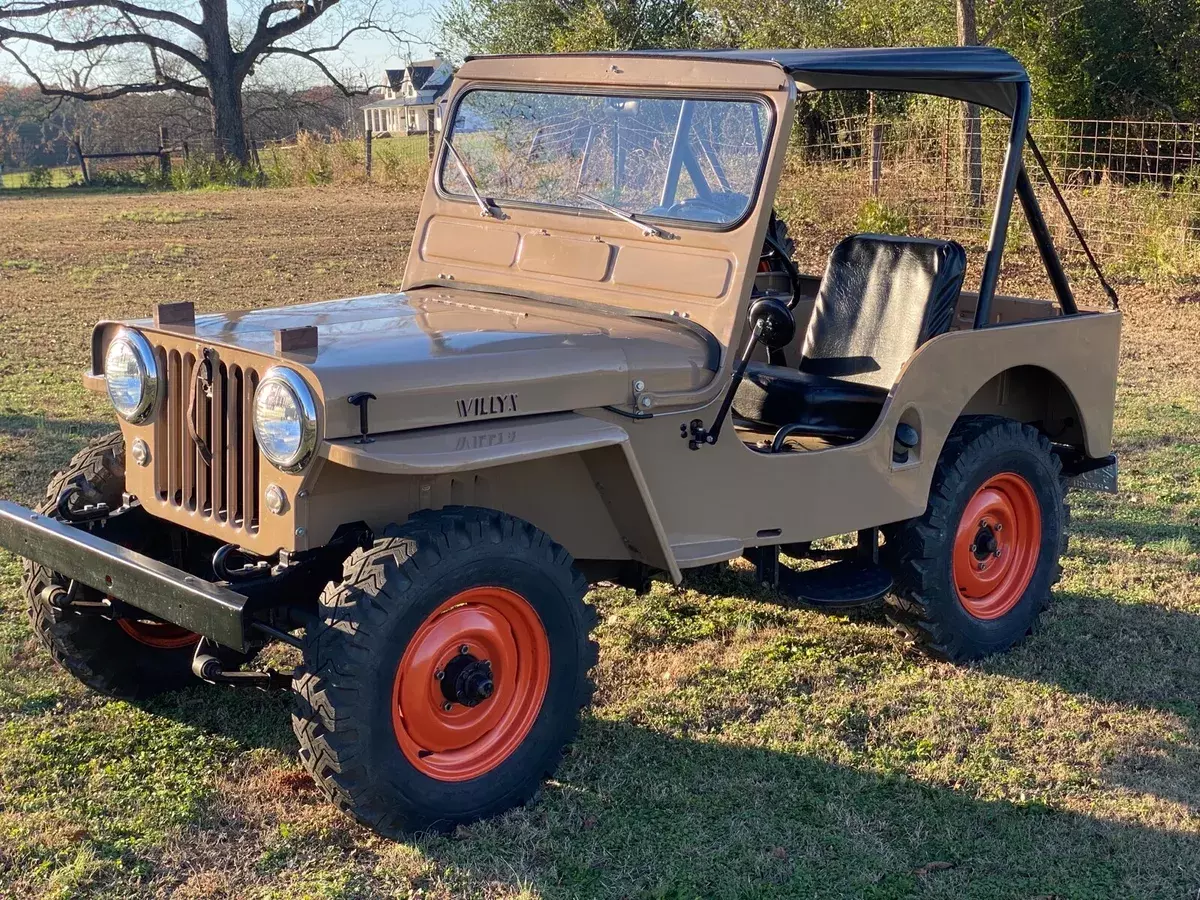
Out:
{"x": 1134, "y": 187}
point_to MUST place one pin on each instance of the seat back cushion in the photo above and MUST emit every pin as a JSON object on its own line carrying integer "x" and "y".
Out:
{"x": 881, "y": 298}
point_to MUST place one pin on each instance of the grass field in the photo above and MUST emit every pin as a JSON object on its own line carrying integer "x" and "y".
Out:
{"x": 737, "y": 748}
{"x": 60, "y": 176}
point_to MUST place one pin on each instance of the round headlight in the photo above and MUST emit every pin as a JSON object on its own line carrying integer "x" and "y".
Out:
{"x": 285, "y": 419}
{"x": 131, "y": 374}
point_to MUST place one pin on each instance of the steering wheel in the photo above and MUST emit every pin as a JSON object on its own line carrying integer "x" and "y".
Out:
{"x": 686, "y": 209}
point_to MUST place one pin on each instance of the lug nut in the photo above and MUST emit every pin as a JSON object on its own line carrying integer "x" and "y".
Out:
{"x": 999, "y": 527}
{"x": 447, "y": 706}
{"x": 983, "y": 523}
{"x": 973, "y": 548}
{"x": 996, "y": 554}
{"x": 981, "y": 567}
{"x": 440, "y": 675}
{"x": 464, "y": 649}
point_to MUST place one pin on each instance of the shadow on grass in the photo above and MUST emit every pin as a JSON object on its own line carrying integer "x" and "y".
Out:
{"x": 637, "y": 813}
{"x": 253, "y": 719}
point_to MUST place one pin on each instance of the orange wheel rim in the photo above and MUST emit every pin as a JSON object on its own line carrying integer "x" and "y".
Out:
{"x": 470, "y": 684}
{"x": 160, "y": 635}
{"x": 997, "y": 545}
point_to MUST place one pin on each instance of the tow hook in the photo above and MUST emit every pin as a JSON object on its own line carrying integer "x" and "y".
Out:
{"x": 208, "y": 666}
{"x": 88, "y": 512}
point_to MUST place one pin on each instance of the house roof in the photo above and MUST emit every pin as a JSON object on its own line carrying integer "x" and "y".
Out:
{"x": 419, "y": 72}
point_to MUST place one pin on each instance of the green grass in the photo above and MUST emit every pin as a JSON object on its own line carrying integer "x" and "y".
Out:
{"x": 736, "y": 748}
{"x": 157, "y": 216}
{"x": 60, "y": 176}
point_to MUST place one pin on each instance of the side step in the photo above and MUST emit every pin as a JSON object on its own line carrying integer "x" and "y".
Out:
{"x": 838, "y": 586}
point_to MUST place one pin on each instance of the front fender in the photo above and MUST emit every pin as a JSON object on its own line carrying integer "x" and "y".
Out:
{"x": 603, "y": 447}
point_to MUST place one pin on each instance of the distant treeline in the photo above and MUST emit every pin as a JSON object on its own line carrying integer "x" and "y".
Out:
{"x": 1090, "y": 59}
{"x": 39, "y": 131}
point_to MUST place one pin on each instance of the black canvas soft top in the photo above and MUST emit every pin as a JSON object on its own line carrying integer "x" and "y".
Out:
{"x": 984, "y": 75}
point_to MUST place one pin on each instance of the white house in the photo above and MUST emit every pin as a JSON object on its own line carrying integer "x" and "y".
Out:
{"x": 410, "y": 96}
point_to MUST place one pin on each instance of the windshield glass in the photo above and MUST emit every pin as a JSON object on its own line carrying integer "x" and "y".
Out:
{"x": 675, "y": 158}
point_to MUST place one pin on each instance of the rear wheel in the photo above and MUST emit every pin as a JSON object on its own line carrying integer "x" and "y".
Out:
{"x": 447, "y": 673}
{"x": 132, "y": 658}
{"x": 975, "y": 572}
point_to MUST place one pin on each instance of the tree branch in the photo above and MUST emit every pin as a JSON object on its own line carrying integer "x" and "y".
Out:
{"x": 266, "y": 34}
{"x": 33, "y": 10}
{"x": 107, "y": 93}
{"x": 325, "y": 70}
{"x": 105, "y": 40}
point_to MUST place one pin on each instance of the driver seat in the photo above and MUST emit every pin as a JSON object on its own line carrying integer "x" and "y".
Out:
{"x": 881, "y": 298}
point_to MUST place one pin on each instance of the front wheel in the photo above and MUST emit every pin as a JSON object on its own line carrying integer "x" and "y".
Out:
{"x": 447, "y": 672}
{"x": 974, "y": 573}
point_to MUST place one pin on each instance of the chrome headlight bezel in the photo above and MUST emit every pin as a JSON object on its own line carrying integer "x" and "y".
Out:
{"x": 144, "y": 355}
{"x": 307, "y": 405}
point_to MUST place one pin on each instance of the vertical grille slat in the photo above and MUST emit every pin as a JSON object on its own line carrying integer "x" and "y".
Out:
{"x": 227, "y": 490}
{"x": 175, "y": 435}
{"x": 250, "y": 454}
{"x": 216, "y": 441}
{"x": 234, "y": 473}
{"x": 189, "y": 446}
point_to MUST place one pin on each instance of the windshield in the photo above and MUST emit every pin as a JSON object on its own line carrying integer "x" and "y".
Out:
{"x": 675, "y": 158}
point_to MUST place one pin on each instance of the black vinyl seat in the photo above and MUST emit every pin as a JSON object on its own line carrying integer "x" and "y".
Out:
{"x": 880, "y": 299}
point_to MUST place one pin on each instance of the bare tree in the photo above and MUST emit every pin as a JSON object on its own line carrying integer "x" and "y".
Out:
{"x": 102, "y": 49}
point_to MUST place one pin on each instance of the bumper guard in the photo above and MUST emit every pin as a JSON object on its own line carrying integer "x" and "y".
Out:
{"x": 161, "y": 590}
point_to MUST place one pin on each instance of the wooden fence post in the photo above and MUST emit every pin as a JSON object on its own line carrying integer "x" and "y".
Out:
{"x": 164, "y": 152}
{"x": 875, "y": 151}
{"x": 77, "y": 141}
{"x": 368, "y": 139}
{"x": 429, "y": 121}
{"x": 876, "y": 158}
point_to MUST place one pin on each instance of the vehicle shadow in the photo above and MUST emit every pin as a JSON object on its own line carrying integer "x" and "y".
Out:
{"x": 634, "y": 812}
{"x": 639, "y": 813}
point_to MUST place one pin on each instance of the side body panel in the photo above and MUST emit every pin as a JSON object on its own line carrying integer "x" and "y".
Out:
{"x": 709, "y": 504}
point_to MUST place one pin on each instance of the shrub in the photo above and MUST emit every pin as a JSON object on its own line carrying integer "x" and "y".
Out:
{"x": 200, "y": 172}
{"x": 115, "y": 178}
{"x": 39, "y": 177}
{"x": 876, "y": 217}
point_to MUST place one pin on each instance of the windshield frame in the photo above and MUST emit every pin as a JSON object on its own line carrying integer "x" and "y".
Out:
{"x": 598, "y": 90}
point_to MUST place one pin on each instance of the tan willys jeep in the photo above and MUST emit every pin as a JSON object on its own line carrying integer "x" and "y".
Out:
{"x": 603, "y": 365}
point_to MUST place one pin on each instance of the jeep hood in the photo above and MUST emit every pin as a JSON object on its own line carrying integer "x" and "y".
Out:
{"x": 435, "y": 356}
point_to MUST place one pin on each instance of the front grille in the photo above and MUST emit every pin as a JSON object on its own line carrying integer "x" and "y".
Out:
{"x": 227, "y": 490}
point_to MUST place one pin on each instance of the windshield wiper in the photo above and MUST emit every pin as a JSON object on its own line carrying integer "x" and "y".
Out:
{"x": 485, "y": 206}
{"x": 647, "y": 229}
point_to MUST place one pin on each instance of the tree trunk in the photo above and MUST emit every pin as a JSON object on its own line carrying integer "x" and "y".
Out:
{"x": 228, "y": 121}
{"x": 224, "y": 85}
{"x": 968, "y": 36}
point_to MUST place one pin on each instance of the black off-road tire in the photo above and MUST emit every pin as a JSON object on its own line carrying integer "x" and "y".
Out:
{"x": 98, "y": 651}
{"x": 345, "y": 688}
{"x": 926, "y": 606}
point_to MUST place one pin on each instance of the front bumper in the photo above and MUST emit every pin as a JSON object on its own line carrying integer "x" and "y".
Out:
{"x": 152, "y": 586}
